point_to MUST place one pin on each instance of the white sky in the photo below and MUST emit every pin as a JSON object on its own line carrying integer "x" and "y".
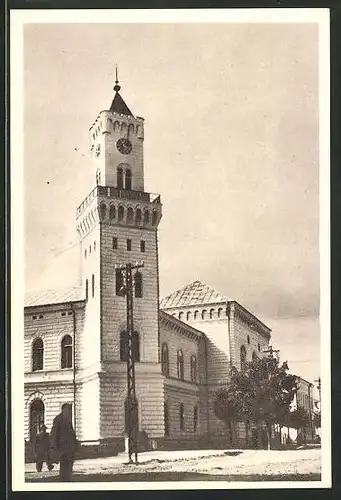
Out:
{"x": 231, "y": 143}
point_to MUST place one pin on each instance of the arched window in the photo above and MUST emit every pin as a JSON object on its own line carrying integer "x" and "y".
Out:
{"x": 188, "y": 316}
{"x": 182, "y": 416}
{"x": 181, "y": 315}
{"x": 146, "y": 217}
{"x": 254, "y": 356}
{"x": 165, "y": 360}
{"x": 220, "y": 310}
{"x": 103, "y": 210}
{"x": 37, "y": 417}
{"x": 135, "y": 346}
{"x": 86, "y": 290}
{"x": 66, "y": 354}
{"x": 242, "y": 357}
{"x": 154, "y": 217}
{"x": 128, "y": 179}
{"x": 120, "y": 212}
{"x": 130, "y": 214}
{"x": 120, "y": 178}
{"x": 37, "y": 355}
{"x": 193, "y": 368}
{"x": 131, "y": 415}
{"x": 166, "y": 418}
{"x": 138, "y": 216}
{"x": 138, "y": 282}
{"x": 180, "y": 365}
{"x": 196, "y": 314}
{"x": 116, "y": 125}
{"x": 203, "y": 314}
{"x": 112, "y": 212}
{"x": 123, "y": 127}
{"x": 130, "y": 129}
{"x": 195, "y": 419}
{"x": 248, "y": 339}
{"x": 211, "y": 313}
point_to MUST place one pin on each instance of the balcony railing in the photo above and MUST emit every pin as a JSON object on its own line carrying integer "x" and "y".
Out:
{"x": 123, "y": 194}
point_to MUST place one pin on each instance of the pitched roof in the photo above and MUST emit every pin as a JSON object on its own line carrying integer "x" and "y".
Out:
{"x": 54, "y": 296}
{"x": 119, "y": 106}
{"x": 196, "y": 293}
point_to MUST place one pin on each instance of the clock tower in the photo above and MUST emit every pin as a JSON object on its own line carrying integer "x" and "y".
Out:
{"x": 117, "y": 223}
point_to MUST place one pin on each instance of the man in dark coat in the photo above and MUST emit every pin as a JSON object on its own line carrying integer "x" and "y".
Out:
{"x": 42, "y": 449}
{"x": 64, "y": 441}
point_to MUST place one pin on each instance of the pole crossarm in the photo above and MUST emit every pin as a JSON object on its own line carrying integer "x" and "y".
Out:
{"x": 132, "y": 410}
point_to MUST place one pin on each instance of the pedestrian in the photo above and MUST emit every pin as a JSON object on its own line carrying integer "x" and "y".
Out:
{"x": 42, "y": 449}
{"x": 64, "y": 441}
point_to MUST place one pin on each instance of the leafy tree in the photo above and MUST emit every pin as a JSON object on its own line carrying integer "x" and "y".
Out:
{"x": 299, "y": 419}
{"x": 225, "y": 409}
{"x": 262, "y": 392}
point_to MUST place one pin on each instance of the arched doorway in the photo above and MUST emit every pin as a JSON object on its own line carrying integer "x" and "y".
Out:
{"x": 37, "y": 417}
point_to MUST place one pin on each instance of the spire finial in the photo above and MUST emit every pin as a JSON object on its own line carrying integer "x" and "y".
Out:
{"x": 117, "y": 88}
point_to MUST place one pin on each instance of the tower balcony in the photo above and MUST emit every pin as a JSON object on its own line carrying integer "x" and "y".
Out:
{"x": 120, "y": 194}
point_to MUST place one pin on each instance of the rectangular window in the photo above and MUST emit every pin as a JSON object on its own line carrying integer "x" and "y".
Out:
{"x": 86, "y": 290}
{"x": 129, "y": 245}
{"x": 41, "y": 316}
{"x": 93, "y": 285}
{"x": 63, "y": 314}
{"x": 142, "y": 246}
{"x": 114, "y": 243}
{"x": 119, "y": 282}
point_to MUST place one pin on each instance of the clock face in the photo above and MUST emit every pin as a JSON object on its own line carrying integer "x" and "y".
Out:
{"x": 124, "y": 146}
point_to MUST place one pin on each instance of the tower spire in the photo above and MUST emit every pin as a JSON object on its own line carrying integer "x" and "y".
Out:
{"x": 117, "y": 87}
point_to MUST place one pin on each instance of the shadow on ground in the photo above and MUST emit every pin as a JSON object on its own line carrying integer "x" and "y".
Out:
{"x": 177, "y": 476}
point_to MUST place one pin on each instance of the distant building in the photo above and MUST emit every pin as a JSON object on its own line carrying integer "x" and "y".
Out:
{"x": 304, "y": 399}
{"x": 75, "y": 340}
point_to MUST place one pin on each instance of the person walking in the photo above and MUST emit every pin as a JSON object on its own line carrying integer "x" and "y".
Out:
{"x": 64, "y": 441}
{"x": 42, "y": 449}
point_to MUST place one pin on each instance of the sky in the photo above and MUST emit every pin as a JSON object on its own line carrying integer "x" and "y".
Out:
{"x": 231, "y": 144}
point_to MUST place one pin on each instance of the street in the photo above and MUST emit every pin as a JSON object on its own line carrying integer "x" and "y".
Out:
{"x": 195, "y": 465}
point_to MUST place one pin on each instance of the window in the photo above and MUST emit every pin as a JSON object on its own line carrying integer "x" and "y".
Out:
{"x": 248, "y": 339}
{"x": 196, "y": 314}
{"x": 154, "y": 218}
{"x": 146, "y": 217}
{"x": 188, "y": 317}
{"x": 138, "y": 216}
{"x": 220, "y": 310}
{"x": 120, "y": 212}
{"x": 181, "y": 315}
{"x": 242, "y": 357}
{"x": 63, "y": 313}
{"x": 128, "y": 179}
{"x": 128, "y": 245}
{"x": 120, "y": 178}
{"x": 180, "y": 365}
{"x": 165, "y": 360}
{"x": 37, "y": 355}
{"x": 193, "y": 368}
{"x": 211, "y": 313}
{"x": 103, "y": 210}
{"x": 135, "y": 346}
{"x": 138, "y": 284}
{"x": 94, "y": 246}
{"x": 182, "y": 416}
{"x": 195, "y": 419}
{"x": 86, "y": 290}
{"x": 166, "y": 418}
{"x": 258, "y": 347}
{"x": 93, "y": 285}
{"x": 119, "y": 282}
{"x": 41, "y": 316}
{"x": 85, "y": 253}
{"x": 90, "y": 250}
{"x": 203, "y": 314}
{"x": 112, "y": 212}
{"x": 114, "y": 243}
{"x": 142, "y": 246}
{"x": 37, "y": 414}
{"x": 254, "y": 356}
{"x": 130, "y": 214}
{"x": 66, "y": 354}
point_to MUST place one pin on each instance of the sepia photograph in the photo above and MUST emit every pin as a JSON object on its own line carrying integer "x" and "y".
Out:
{"x": 170, "y": 246}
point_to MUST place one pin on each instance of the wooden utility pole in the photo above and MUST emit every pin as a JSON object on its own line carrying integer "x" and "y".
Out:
{"x": 126, "y": 270}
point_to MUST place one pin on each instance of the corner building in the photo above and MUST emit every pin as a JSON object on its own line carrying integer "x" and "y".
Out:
{"x": 75, "y": 339}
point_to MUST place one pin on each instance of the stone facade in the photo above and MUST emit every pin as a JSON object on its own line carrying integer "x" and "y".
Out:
{"x": 73, "y": 340}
